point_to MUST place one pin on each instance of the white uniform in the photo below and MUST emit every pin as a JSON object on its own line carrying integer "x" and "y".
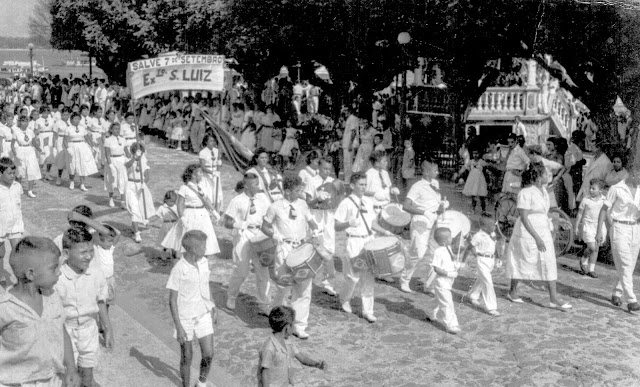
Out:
{"x": 424, "y": 194}
{"x": 326, "y": 224}
{"x": 79, "y": 157}
{"x": 517, "y": 161}
{"x": 141, "y": 208}
{"x": 306, "y": 174}
{"x": 590, "y": 212}
{"x": 212, "y": 185}
{"x": 60, "y": 153}
{"x": 266, "y": 183}
{"x": 379, "y": 183}
{"x": 625, "y": 236}
{"x": 115, "y": 174}
{"x": 248, "y": 212}
{"x": 44, "y": 130}
{"x": 128, "y": 132}
{"x": 290, "y": 222}
{"x": 485, "y": 248}
{"x": 26, "y": 158}
{"x": 7, "y": 136}
{"x": 444, "y": 311}
{"x": 357, "y": 237}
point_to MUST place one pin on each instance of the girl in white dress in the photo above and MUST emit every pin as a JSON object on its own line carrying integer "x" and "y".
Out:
{"x": 44, "y": 133}
{"x": 168, "y": 214}
{"x": 194, "y": 210}
{"x": 96, "y": 128}
{"x": 59, "y": 132}
{"x": 24, "y": 148}
{"x": 270, "y": 182}
{"x": 115, "y": 172}
{"x": 6, "y": 135}
{"x": 209, "y": 162}
{"x": 138, "y": 197}
{"x": 290, "y": 146}
{"x": 476, "y": 184}
{"x": 311, "y": 170}
{"x": 128, "y": 129}
{"x": 531, "y": 254}
{"x": 80, "y": 160}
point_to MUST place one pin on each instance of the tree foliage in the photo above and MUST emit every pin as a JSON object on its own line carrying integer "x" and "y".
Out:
{"x": 40, "y": 23}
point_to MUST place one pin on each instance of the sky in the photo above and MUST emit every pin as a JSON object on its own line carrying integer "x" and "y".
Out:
{"x": 14, "y": 17}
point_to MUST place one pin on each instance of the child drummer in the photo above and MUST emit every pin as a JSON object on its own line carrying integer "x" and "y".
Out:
{"x": 286, "y": 222}
{"x": 318, "y": 200}
{"x": 356, "y": 216}
{"x": 378, "y": 182}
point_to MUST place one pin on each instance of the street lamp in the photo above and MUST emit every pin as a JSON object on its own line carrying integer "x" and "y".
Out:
{"x": 30, "y": 46}
{"x": 403, "y": 38}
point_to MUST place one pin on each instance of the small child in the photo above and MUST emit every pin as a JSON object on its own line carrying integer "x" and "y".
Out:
{"x": 446, "y": 271}
{"x": 377, "y": 142}
{"x": 408, "y": 168}
{"x": 11, "y": 223}
{"x": 81, "y": 217}
{"x": 290, "y": 147}
{"x": 483, "y": 246}
{"x": 25, "y": 151}
{"x": 273, "y": 366}
{"x": 168, "y": 214}
{"x": 476, "y": 184}
{"x": 103, "y": 247}
{"x": 36, "y": 349}
{"x": 138, "y": 199}
{"x": 83, "y": 291}
{"x": 586, "y": 224}
{"x": 192, "y": 309}
{"x": 176, "y": 132}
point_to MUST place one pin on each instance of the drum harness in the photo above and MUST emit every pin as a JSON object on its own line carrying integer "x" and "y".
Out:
{"x": 361, "y": 211}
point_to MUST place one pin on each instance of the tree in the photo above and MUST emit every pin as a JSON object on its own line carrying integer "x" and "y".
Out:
{"x": 40, "y": 23}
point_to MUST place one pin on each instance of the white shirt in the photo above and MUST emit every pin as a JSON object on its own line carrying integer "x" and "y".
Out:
{"x": 44, "y": 125}
{"x": 362, "y": 208}
{"x": 379, "y": 183}
{"x": 192, "y": 284}
{"x": 240, "y": 209}
{"x": 311, "y": 188}
{"x": 483, "y": 243}
{"x": 591, "y": 209}
{"x": 306, "y": 174}
{"x": 80, "y": 293}
{"x": 622, "y": 205}
{"x": 517, "y": 159}
{"x": 103, "y": 259}
{"x": 442, "y": 260}
{"x": 425, "y": 194}
{"x": 211, "y": 158}
{"x": 278, "y": 214}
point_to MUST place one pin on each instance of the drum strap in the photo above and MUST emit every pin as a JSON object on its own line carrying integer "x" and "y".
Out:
{"x": 453, "y": 258}
{"x": 361, "y": 215}
{"x": 266, "y": 185}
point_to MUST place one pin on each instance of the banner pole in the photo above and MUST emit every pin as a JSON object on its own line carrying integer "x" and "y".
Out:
{"x": 142, "y": 183}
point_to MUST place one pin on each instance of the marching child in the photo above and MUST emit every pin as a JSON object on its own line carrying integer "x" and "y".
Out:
{"x": 192, "y": 309}
{"x": 244, "y": 215}
{"x": 103, "y": 247}
{"x": 356, "y": 216}
{"x": 83, "y": 291}
{"x": 273, "y": 370}
{"x": 446, "y": 272}
{"x": 11, "y": 223}
{"x": 38, "y": 346}
{"x": 483, "y": 246}
{"x": 290, "y": 147}
{"x": 44, "y": 132}
{"x": 59, "y": 132}
{"x": 80, "y": 160}
{"x": 115, "y": 172}
{"x": 128, "y": 129}
{"x": 210, "y": 163}
{"x": 168, "y": 214}
{"x": 24, "y": 148}
{"x": 476, "y": 184}
{"x": 137, "y": 195}
{"x": 587, "y": 223}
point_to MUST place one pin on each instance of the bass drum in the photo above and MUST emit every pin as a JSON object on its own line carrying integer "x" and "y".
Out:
{"x": 459, "y": 225}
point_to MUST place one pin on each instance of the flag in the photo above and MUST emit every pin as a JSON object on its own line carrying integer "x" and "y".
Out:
{"x": 239, "y": 155}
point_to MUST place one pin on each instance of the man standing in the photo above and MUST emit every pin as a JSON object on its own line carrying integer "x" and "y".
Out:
{"x": 350, "y": 131}
{"x": 517, "y": 161}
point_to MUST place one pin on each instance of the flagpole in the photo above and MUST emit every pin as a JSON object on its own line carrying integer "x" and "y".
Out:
{"x": 137, "y": 126}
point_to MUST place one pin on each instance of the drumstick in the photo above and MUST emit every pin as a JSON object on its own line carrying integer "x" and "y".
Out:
{"x": 397, "y": 200}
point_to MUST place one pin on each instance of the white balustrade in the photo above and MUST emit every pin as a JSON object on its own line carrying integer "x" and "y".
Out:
{"x": 497, "y": 100}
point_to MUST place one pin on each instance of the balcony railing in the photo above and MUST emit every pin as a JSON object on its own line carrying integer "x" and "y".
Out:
{"x": 501, "y": 101}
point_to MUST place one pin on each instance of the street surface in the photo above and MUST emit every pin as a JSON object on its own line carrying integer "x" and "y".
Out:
{"x": 595, "y": 344}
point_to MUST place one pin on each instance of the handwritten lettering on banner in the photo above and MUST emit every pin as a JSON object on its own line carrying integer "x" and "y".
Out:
{"x": 176, "y": 72}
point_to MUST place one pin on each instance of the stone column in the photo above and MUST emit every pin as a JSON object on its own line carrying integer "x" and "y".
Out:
{"x": 532, "y": 93}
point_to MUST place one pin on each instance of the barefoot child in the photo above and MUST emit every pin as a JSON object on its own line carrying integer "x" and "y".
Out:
{"x": 446, "y": 272}
{"x": 483, "y": 246}
{"x": 36, "y": 349}
{"x": 11, "y": 223}
{"x": 83, "y": 291}
{"x": 192, "y": 310}
{"x": 586, "y": 224}
{"x": 277, "y": 351}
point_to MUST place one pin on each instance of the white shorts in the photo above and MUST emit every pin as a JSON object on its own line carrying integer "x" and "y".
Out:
{"x": 198, "y": 326}
{"x": 85, "y": 342}
{"x": 589, "y": 233}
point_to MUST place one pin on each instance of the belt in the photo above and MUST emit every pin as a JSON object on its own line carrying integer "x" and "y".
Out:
{"x": 627, "y": 222}
{"x": 24, "y": 146}
{"x": 253, "y": 227}
{"x": 117, "y": 156}
{"x": 129, "y": 138}
{"x": 135, "y": 180}
{"x": 485, "y": 255}
{"x": 194, "y": 207}
{"x": 76, "y": 141}
{"x": 170, "y": 221}
{"x": 357, "y": 236}
{"x": 45, "y": 131}
{"x": 378, "y": 207}
{"x": 514, "y": 170}
{"x": 292, "y": 242}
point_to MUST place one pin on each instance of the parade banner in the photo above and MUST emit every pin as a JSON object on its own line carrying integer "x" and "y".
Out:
{"x": 175, "y": 72}
{"x": 239, "y": 155}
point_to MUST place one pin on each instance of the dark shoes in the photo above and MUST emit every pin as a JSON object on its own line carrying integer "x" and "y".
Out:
{"x": 592, "y": 274}
{"x": 615, "y": 300}
{"x": 633, "y": 307}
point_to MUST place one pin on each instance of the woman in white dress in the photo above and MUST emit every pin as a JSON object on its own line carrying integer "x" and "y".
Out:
{"x": 361, "y": 162}
{"x": 531, "y": 254}
{"x": 269, "y": 181}
{"x": 311, "y": 170}
{"x": 115, "y": 173}
{"x": 209, "y": 162}
{"x": 5, "y": 135}
{"x": 97, "y": 128}
{"x": 138, "y": 200}
{"x": 194, "y": 210}
{"x": 24, "y": 148}
{"x": 80, "y": 160}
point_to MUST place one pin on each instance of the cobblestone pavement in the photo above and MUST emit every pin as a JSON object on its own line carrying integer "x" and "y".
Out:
{"x": 528, "y": 345}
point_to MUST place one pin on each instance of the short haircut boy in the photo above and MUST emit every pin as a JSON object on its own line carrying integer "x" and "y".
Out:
{"x": 28, "y": 246}
{"x": 356, "y": 177}
{"x": 280, "y": 317}
{"x": 597, "y": 182}
{"x": 6, "y": 163}
{"x": 191, "y": 237}
{"x": 75, "y": 236}
{"x": 441, "y": 233}
{"x": 291, "y": 182}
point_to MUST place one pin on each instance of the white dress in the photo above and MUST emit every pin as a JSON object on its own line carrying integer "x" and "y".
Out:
{"x": 211, "y": 184}
{"x": 476, "y": 184}
{"x": 290, "y": 143}
{"x": 80, "y": 159}
{"x": 44, "y": 128}
{"x": 115, "y": 174}
{"x": 60, "y": 153}
{"x": 524, "y": 260}
{"x": 7, "y": 136}
{"x": 195, "y": 217}
{"x": 138, "y": 197}
{"x": 169, "y": 216}
{"x": 26, "y": 158}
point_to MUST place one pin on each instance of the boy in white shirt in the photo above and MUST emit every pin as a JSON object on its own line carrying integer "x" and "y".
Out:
{"x": 192, "y": 310}
{"x": 446, "y": 272}
{"x": 483, "y": 246}
{"x": 103, "y": 247}
{"x": 587, "y": 223}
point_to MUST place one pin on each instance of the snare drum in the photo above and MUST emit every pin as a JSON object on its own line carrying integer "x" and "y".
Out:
{"x": 282, "y": 276}
{"x": 394, "y": 219}
{"x": 384, "y": 255}
{"x": 304, "y": 261}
